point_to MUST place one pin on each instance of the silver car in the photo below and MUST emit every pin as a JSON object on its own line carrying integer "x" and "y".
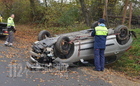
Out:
{"x": 78, "y": 46}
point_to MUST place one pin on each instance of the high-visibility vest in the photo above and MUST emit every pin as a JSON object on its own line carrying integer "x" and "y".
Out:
{"x": 10, "y": 22}
{"x": 100, "y": 30}
{"x": 0, "y": 19}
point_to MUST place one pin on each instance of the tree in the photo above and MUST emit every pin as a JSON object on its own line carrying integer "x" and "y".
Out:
{"x": 33, "y": 8}
{"x": 85, "y": 13}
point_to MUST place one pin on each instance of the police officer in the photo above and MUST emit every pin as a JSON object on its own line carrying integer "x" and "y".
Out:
{"x": 99, "y": 33}
{"x": 11, "y": 31}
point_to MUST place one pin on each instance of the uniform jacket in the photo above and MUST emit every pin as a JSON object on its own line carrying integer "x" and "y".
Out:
{"x": 100, "y": 37}
{"x": 10, "y": 22}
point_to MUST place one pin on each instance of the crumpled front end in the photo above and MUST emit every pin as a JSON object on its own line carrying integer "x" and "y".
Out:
{"x": 42, "y": 51}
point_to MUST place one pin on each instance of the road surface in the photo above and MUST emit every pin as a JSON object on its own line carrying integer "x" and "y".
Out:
{"x": 13, "y": 72}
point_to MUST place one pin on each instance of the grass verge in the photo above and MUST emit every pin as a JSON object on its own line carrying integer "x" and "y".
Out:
{"x": 129, "y": 63}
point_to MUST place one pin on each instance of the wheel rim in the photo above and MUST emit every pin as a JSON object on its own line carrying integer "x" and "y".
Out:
{"x": 123, "y": 33}
{"x": 65, "y": 45}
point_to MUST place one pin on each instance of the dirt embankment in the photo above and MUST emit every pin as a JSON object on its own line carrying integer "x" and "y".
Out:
{"x": 25, "y": 36}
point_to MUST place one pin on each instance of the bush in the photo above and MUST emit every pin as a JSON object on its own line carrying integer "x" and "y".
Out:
{"x": 69, "y": 17}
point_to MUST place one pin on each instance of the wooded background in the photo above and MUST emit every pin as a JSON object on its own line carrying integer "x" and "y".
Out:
{"x": 55, "y": 13}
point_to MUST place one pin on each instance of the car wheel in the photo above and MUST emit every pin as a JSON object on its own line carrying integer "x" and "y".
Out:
{"x": 122, "y": 32}
{"x": 94, "y": 25}
{"x": 43, "y": 35}
{"x": 62, "y": 45}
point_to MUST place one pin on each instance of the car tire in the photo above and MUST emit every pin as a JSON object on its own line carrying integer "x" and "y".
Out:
{"x": 94, "y": 25}
{"x": 62, "y": 45}
{"x": 43, "y": 35}
{"x": 121, "y": 32}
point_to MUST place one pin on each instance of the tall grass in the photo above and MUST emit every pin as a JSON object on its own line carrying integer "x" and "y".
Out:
{"x": 129, "y": 63}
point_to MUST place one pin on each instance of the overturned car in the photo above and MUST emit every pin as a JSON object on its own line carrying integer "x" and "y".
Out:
{"x": 78, "y": 46}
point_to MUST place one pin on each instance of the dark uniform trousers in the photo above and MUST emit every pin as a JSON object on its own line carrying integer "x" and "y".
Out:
{"x": 99, "y": 59}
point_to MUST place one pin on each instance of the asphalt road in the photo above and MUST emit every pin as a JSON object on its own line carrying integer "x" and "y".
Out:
{"x": 13, "y": 72}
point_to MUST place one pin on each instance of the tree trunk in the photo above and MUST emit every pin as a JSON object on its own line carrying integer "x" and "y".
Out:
{"x": 45, "y": 2}
{"x": 125, "y": 9}
{"x": 85, "y": 12}
{"x": 130, "y": 15}
{"x": 105, "y": 13}
{"x": 32, "y": 6}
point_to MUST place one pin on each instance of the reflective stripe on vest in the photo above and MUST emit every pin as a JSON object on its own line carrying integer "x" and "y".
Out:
{"x": 101, "y": 30}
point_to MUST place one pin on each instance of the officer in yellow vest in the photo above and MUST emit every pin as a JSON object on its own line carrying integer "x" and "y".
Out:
{"x": 0, "y": 18}
{"x": 99, "y": 33}
{"x": 11, "y": 31}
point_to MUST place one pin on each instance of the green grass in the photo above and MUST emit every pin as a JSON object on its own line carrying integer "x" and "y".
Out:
{"x": 61, "y": 30}
{"x": 129, "y": 63}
